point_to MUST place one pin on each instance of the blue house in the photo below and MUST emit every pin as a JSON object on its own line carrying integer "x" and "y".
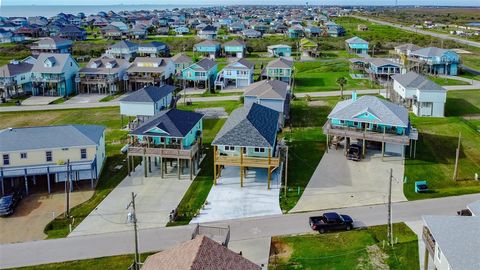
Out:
{"x": 204, "y": 71}
{"x": 235, "y": 48}
{"x": 374, "y": 120}
{"x": 181, "y": 30}
{"x": 171, "y": 135}
{"x": 248, "y": 140}
{"x": 147, "y": 101}
{"x": 356, "y": 45}
{"x": 279, "y": 50}
{"x": 279, "y": 69}
{"x": 296, "y": 31}
{"x": 334, "y": 30}
{"x": 240, "y": 73}
{"x": 208, "y": 48}
{"x": 53, "y": 74}
{"x": 436, "y": 60}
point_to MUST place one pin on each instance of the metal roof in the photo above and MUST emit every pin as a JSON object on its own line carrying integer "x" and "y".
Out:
{"x": 356, "y": 40}
{"x": 251, "y": 126}
{"x": 149, "y": 94}
{"x": 458, "y": 238}
{"x": 48, "y": 137}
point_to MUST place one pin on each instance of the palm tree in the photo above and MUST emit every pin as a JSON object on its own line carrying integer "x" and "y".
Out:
{"x": 341, "y": 81}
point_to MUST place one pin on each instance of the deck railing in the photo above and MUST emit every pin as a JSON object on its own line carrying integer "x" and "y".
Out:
{"x": 367, "y": 135}
{"x": 256, "y": 162}
{"x": 428, "y": 240}
{"x": 144, "y": 150}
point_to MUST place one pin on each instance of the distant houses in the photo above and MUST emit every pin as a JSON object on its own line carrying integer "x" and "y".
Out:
{"x": 209, "y": 48}
{"x": 236, "y": 48}
{"x": 32, "y": 154}
{"x": 123, "y": 49}
{"x": 15, "y": 78}
{"x": 208, "y": 32}
{"x": 279, "y": 50}
{"x": 154, "y": 49}
{"x": 181, "y": 62}
{"x": 421, "y": 95}
{"x": 279, "y": 69}
{"x": 51, "y": 45}
{"x": 357, "y": 45}
{"x": 150, "y": 71}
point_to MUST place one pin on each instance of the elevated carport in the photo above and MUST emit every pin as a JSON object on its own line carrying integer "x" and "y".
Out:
{"x": 76, "y": 171}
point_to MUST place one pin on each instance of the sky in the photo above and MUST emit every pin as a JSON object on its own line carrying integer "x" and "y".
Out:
{"x": 241, "y": 2}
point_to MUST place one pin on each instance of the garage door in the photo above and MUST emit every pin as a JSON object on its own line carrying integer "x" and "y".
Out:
{"x": 242, "y": 82}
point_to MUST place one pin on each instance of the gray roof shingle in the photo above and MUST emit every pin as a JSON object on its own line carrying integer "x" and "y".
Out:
{"x": 414, "y": 80}
{"x": 174, "y": 122}
{"x": 49, "y": 137}
{"x": 386, "y": 112}
{"x": 253, "y": 126}
{"x": 149, "y": 94}
{"x": 268, "y": 89}
{"x": 280, "y": 63}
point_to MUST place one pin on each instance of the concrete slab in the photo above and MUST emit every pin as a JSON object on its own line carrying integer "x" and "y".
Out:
{"x": 417, "y": 228}
{"x": 213, "y": 113}
{"x": 85, "y": 98}
{"x": 34, "y": 212}
{"x": 227, "y": 200}
{"x": 156, "y": 197}
{"x": 338, "y": 182}
{"x": 256, "y": 250}
{"x": 192, "y": 91}
{"x": 39, "y": 100}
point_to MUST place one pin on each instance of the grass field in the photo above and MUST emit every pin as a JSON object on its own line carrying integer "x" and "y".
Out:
{"x": 358, "y": 249}
{"x": 436, "y": 149}
{"x": 447, "y": 81}
{"x": 322, "y": 76}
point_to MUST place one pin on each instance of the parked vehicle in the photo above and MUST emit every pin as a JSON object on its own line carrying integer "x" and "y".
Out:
{"x": 331, "y": 222}
{"x": 9, "y": 202}
{"x": 354, "y": 152}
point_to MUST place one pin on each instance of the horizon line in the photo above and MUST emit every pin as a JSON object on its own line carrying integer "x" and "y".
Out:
{"x": 220, "y": 5}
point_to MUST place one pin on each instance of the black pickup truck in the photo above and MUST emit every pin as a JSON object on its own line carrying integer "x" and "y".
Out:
{"x": 354, "y": 152}
{"x": 331, "y": 222}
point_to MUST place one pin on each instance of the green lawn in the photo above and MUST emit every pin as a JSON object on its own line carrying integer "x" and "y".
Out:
{"x": 114, "y": 262}
{"x": 322, "y": 76}
{"x": 358, "y": 249}
{"x": 447, "y": 81}
{"x": 436, "y": 149}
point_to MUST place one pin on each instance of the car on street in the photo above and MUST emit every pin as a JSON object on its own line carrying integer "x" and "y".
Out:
{"x": 331, "y": 222}
{"x": 9, "y": 202}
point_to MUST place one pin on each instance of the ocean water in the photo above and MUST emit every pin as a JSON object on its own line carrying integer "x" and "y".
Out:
{"x": 49, "y": 11}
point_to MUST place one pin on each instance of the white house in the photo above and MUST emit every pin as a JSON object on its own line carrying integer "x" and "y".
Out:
{"x": 123, "y": 49}
{"x": 272, "y": 94}
{"x": 34, "y": 154}
{"x": 147, "y": 101}
{"x": 415, "y": 91}
{"x": 452, "y": 242}
{"x": 239, "y": 73}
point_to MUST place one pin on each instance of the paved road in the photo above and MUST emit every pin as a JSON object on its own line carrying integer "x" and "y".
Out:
{"x": 424, "y": 32}
{"x": 66, "y": 106}
{"x": 92, "y": 246}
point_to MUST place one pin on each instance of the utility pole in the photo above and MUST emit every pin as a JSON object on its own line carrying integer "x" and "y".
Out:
{"x": 390, "y": 225}
{"x": 67, "y": 190}
{"x": 133, "y": 218}
{"x": 457, "y": 155}
{"x": 286, "y": 171}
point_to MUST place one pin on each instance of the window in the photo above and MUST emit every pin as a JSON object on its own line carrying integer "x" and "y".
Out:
{"x": 259, "y": 150}
{"x": 6, "y": 159}
{"x": 64, "y": 149}
{"x": 48, "y": 156}
{"x": 229, "y": 148}
{"x": 23, "y": 155}
{"x": 162, "y": 139}
{"x": 83, "y": 153}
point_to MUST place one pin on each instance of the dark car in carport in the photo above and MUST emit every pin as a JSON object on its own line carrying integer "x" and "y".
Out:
{"x": 9, "y": 202}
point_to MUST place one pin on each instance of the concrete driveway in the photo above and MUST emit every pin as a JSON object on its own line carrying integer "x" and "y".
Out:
{"x": 85, "y": 98}
{"x": 34, "y": 212}
{"x": 338, "y": 182}
{"x": 227, "y": 200}
{"x": 156, "y": 197}
{"x": 39, "y": 100}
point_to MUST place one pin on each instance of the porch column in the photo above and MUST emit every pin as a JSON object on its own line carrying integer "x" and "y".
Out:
{"x": 133, "y": 163}
{"x": 383, "y": 150}
{"x": 410, "y": 147}
{"x": 269, "y": 168}
{"x": 328, "y": 146}
{"x": 48, "y": 179}
{"x": 128, "y": 164}
{"x": 425, "y": 259}
{"x": 191, "y": 169}
{"x": 414, "y": 149}
{"x": 363, "y": 147}
{"x": 149, "y": 164}
{"x": 241, "y": 166}
{"x": 145, "y": 165}
{"x": 1, "y": 180}
{"x": 26, "y": 182}
{"x": 178, "y": 168}
{"x": 162, "y": 171}
{"x": 34, "y": 180}
{"x": 215, "y": 165}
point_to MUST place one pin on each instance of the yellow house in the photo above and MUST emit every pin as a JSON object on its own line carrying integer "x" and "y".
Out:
{"x": 51, "y": 153}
